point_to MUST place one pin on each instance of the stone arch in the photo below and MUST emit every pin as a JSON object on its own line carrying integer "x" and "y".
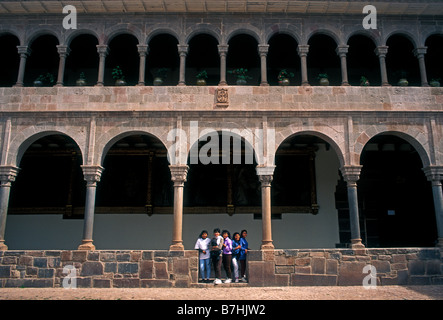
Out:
{"x": 41, "y": 32}
{"x": 336, "y": 143}
{"x": 375, "y": 37}
{"x": 116, "y": 30}
{"x": 283, "y": 29}
{"x": 203, "y": 29}
{"x": 12, "y": 32}
{"x": 247, "y": 137}
{"x": 408, "y": 35}
{"x": 26, "y": 137}
{"x": 329, "y": 32}
{"x": 158, "y": 30}
{"x": 78, "y": 32}
{"x": 429, "y": 34}
{"x": 109, "y": 138}
{"x": 245, "y": 29}
{"x": 414, "y": 137}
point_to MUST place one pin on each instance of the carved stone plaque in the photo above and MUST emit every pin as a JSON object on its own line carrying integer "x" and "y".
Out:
{"x": 221, "y": 98}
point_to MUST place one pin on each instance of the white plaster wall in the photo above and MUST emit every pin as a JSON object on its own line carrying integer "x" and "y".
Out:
{"x": 139, "y": 231}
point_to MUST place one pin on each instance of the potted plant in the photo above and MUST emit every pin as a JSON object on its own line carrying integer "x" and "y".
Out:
{"x": 283, "y": 77}
{"x": 81, "y": 81}
{"x": 44, "y": 79}
{"x": 364, "y": 81}
{"x": 201, "y": 78}
{"x": 117, "y": 75}
{"x": 435, "y": 82}
{"x": 403, "y": 82}
{"x": 160, "y": 75}
{"x": 241, "y": 75}
{"x": 323, "y": 79}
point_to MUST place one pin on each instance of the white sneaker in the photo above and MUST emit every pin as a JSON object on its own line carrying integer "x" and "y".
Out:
{"x": 236, "y": 280}
{"x": 228, "y": 281}
{"x": 217, "y": 281}
{"x": 243, "y": 279}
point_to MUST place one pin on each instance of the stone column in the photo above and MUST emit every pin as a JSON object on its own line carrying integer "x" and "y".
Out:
{"x": 63, "y": 52}
{"x": 182, "y": 51}
{"x": 381, "y": 53}
{"x": 7, "y": 176}
{"x": 351, "y": 174}
{"x": 92, "y": 176}
{"x": 102, "y": 52}
{"x": 303, "y": 53}
{"x": 223, "y": 51}
{"x": 24, "y": 52}
{"x": 420, "y": 54}
{"x": 265, "y": 176}
{"x": 341, "y": 52}
{"x": 434, "y": 174}
{"x": 142, "y": 51}
{"x": 263, "y": 52}
{"x": 178, "y": 176}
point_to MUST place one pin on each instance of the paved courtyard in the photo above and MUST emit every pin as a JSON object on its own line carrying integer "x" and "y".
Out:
{"x": 229, "y": 293}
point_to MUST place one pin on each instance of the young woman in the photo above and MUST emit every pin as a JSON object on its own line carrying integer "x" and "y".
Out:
{"x": 236, "y": 247}
{"x": 216, "y": 254}
{"x": 243, "y": 253}
{"x": 227, "y": 255}
{"x": 203, "y": 245}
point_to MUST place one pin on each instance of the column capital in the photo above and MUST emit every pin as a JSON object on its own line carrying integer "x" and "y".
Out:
{"x": 263, "y": 49}
{"x": 92, "y": 174}
{"x": 102, "y": 49}
{"x": 63, "y": 50}
{"x": 381, "y": 51}
{"x": 265, "y": 175}
{"x": 8, "y": 175}
{"x": 419, "y": 52}
{"x": 179, "y": 174}
{"x": 223, "y": 49}
{"x": 183, "y": 49}
{"x": 433, "y": 173}
{"x": 351, "y": 174}
{"x": 303, "y": 50}
{"x": 143, "y": 49}
{"x": 24, "y": 50}
{"x": 342, "y": 50}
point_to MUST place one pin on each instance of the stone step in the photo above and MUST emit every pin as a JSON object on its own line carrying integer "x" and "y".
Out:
{"x": 223, "y": 285}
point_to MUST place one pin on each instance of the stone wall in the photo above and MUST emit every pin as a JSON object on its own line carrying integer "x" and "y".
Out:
{"x": 344, "y": 267}
{"x": 99, "y": 269}
{"x": 161, "y": 268}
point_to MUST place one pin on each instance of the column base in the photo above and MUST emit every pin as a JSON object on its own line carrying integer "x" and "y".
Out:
{"x": 305, "y": 84}
{"x": 267, "y": 245}
{"x": 140, "y": 84}
{"x": 99, "y": 85}
{"x": 345, "y": 84}
{"x": 18, "y": 85}
{"x": 386, "y": 85}
{"x": 264, "y": 84}
{"x": 86, "y": 245}
{"x": 59, "y": 85}
{"x": 439, "y": 243}
{"x": 222, "y": 83}
{"x": 181, "y": 84}
{"x": 3, "y": 246}
{"x": 176, "y": 247}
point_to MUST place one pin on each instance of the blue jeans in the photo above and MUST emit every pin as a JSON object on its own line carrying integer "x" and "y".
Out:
{"x": 205, "y": 263}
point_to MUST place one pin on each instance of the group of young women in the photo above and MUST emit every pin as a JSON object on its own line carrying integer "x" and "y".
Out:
{"x": 221, "y": 249}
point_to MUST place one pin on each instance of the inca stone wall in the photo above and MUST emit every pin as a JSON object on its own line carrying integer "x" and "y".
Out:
{"x": 144, "y": 269}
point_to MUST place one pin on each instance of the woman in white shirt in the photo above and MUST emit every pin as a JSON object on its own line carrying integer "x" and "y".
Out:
{"x": 203, "y": 246}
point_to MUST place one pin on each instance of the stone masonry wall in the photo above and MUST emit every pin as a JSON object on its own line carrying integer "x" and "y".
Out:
{"x": 162, "y": 268}
{"x": 99, "y": 269}
{"x": 344, "y": 267}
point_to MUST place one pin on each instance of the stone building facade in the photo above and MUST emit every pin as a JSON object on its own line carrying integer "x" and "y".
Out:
{"x": 347, "y": 140}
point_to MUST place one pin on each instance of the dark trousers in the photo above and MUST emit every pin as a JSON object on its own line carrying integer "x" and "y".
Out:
{"x": 227, "y": 259}
{"x": 242, "y": 268}
{"x": 217, "y": 262}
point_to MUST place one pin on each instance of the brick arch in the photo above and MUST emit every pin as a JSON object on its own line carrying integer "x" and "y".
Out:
{"x": 416, "y": 138}
{"x": 23, "y": 140}
{"x": 327, "y": 135}
{"x": 110, "y": 137}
